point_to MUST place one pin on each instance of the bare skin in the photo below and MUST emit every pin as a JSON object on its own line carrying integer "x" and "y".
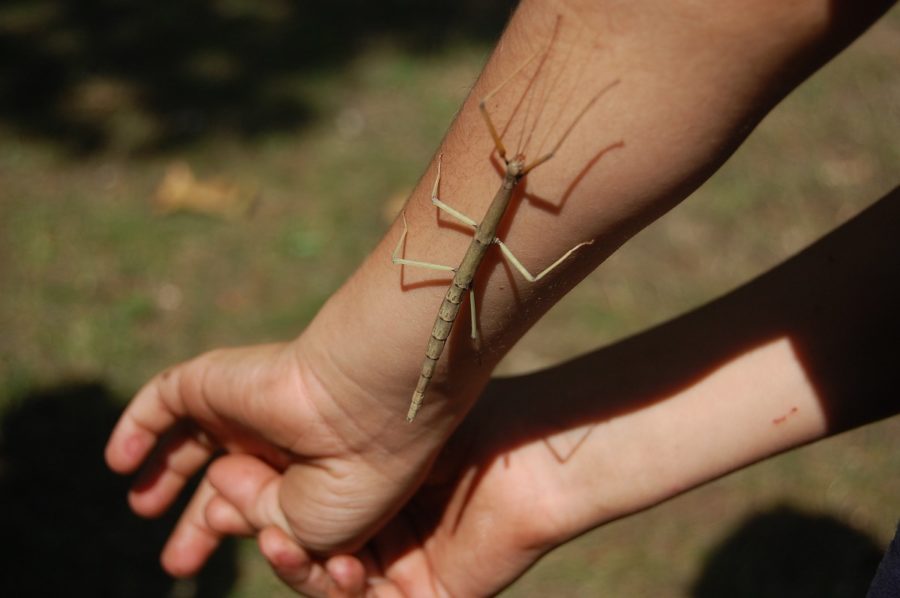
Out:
{"x": 759, "y": 380}
{"x": 318, "y": 415}
{"x": 515, "y": 168}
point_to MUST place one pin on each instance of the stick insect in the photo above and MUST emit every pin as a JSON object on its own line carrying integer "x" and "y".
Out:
{"x": 485, "y": 235}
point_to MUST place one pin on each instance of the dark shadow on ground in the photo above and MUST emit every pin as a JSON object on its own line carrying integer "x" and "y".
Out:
{"x": 65, "y": 525}
{"x": 190, "y": 68}
{"x": 788, "y": 553}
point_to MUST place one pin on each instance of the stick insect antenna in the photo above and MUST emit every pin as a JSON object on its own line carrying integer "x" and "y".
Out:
{"x": 570, "y": 128}
{"x": 482, "y": 105}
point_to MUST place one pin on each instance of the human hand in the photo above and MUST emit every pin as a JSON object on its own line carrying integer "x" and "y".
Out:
{"x": 266, "y": 408}
{"x": 488, "y": 510}
{"x": 643, "y": 419}
{"x": 637, "y": 422}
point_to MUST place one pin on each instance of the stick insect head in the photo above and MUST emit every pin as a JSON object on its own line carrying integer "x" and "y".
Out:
{"x": 516, "y": 166}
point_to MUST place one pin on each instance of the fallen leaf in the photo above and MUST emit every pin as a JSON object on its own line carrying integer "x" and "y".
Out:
{"x": 181, "y": 191}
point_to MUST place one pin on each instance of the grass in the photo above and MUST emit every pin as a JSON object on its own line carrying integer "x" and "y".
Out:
{"x": 99, "y": 293}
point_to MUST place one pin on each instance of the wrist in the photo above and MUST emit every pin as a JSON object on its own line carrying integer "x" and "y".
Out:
{"x": 617, "y": 440}
{"x": 365, "y": 349}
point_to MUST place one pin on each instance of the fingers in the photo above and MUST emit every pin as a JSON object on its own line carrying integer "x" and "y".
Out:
{"x": 224, "y": 518}
{"x": 342, "y": 576}
{"x": 179, "y": 456}
{"x": 238, "y": 494}
{"x": 193, "y": 540}
{"x": 404, "y": 561}
{"x": 252, "y": 487}
{"x": 292, "y": 564}
{"x": 359, "y": 575}
{"x": 246, "y": 501}
{"x": 216, "y": 390}
{"x": 153, "y": 411}
{"x": 156, "y": 419}
{"x": 347, "y": 575}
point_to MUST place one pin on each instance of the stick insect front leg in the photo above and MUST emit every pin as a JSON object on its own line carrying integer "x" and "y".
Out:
{"x": 441, "y": 205}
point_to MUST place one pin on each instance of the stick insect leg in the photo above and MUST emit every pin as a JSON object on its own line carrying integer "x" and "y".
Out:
{"x": 444, "y": 207}
{"x": 524, "y": 271}
{"x": 476, "y": 337}
{"x": 395, "y": 256}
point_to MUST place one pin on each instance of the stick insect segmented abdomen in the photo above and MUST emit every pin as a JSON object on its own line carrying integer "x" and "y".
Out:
{"x": 449, "y": 310}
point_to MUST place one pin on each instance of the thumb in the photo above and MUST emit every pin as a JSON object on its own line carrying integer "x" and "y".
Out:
{"x": 252, "y": 487}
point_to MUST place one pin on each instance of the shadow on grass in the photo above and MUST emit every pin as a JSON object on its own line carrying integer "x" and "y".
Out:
{"x": 785, "y": 552}
{"x": 65, "y": 524}
{"x": 198, "y": 67}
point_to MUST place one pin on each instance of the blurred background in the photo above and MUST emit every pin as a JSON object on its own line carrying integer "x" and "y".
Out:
{"x": 176, "y": 176}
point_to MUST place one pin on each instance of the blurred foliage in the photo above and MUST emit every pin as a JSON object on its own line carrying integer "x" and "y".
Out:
{"x": 329, "y": 111}
{"x": 186, "y": 69}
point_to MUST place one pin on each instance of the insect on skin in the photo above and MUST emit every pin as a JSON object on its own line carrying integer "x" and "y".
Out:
{"x": 485, "y": 236}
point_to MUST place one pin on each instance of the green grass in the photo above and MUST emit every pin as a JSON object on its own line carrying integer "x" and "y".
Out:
{"x": 94, "y": 287}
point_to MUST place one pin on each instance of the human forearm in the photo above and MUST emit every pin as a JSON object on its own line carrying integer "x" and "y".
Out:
{"x": 546, "y": 456}
{"x": 804, "y": 351}
{"x": 311, "y": 430}
{"x": 693, "y": 82}
{"x": 676, "y": 123}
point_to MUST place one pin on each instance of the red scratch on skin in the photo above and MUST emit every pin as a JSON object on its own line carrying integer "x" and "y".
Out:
{"x": 783, "y": 418}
